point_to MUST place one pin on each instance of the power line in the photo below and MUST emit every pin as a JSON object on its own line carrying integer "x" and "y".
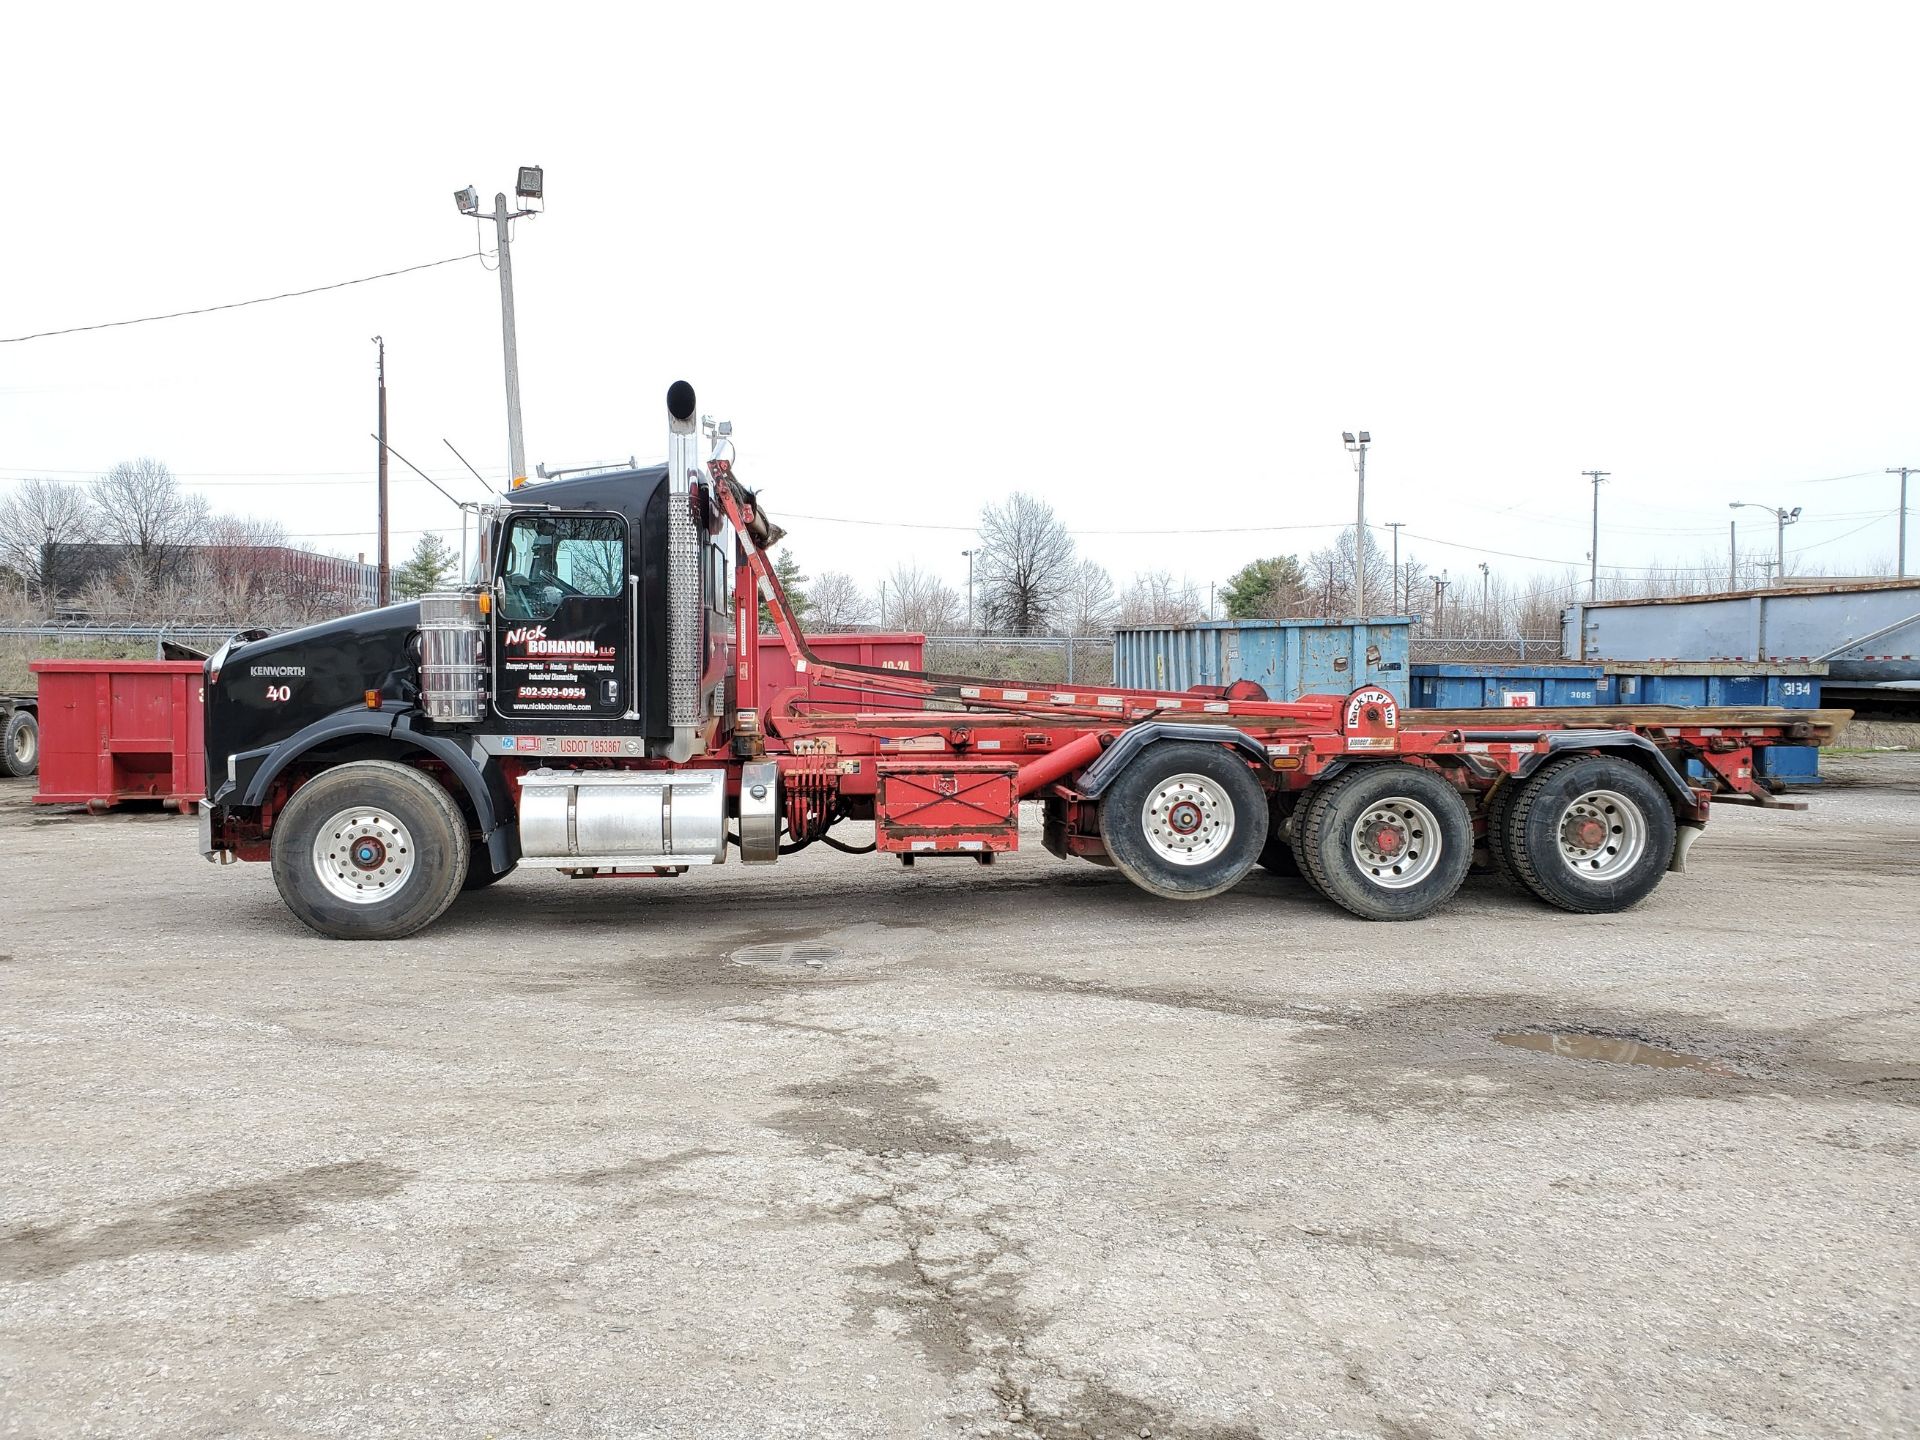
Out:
{"x": 1884, "y": 514}
{"x": 236, "y": 304}
{"x": 974, "y": 529}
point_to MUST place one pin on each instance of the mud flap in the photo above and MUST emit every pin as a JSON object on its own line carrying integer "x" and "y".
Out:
{"x": 1683, "y": 837}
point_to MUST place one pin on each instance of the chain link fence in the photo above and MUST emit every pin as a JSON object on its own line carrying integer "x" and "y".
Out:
{"x": 20, "y": 645}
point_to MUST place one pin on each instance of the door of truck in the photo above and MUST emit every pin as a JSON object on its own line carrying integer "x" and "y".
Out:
{"x": 563, "y": 627}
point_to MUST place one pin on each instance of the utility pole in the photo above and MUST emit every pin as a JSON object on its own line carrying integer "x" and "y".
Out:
{"x": 530, "y": 185}
{"x": 1593, "y": 555}
{"x": 1400, "y": 603}
{"x": 1782, "y": 517}
{"x": 1486, "y": 598}
{"x": 1733, "y": 555}
{"x": 1439, "y": 599}
{"x": 516, "y": 441}
{"x": 385, "y": 590}
{"x": 1903, "y": 471}
{"x": 969, "y": 555}
{"x": 1359, "y": 449}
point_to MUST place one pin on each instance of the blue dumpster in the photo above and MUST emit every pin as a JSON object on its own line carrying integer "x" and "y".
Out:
{"x": 1496, "y": 684}
{"x": 1793, "y": 687}
{"x": 1499, "y": 685}
{"x": 1287, "y": 658}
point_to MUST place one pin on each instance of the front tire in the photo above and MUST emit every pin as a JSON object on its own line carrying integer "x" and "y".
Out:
{"x": 1184, "y": 820}
{"x": 20, "y": 747}
{"x": 1387, "y": 841}
{"x": 1591, "y": 834}
{"x": 370, "y": 851}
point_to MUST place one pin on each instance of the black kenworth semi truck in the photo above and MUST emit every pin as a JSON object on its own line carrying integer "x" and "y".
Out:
{"x": 590, "y": 701}
{"x": 353, "y": 752}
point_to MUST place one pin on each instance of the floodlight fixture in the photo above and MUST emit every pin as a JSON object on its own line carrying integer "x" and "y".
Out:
{"x": 528, "y": 186}
{"x": 1347, "y": 435}
{"x": 1366, "y": 437}
{"x": 468, "y": 200}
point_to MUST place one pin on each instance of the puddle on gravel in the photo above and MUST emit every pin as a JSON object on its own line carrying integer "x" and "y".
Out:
{"x": 803, "y": 954}
{"x": 1612, "y": 1050}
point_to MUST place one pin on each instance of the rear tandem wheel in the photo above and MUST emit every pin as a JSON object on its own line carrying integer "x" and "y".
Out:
{"x": 1589, "y": 833}
{"x": 1387, "y": 841}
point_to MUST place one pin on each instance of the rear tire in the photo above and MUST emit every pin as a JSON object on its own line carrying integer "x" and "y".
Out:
{"x": 1591, "y": 834}
{"x": 1276, "y": 856}
{"x": 1385, "y": 841}
{"x": 1498, "y": 809}
{"x": 1184, "y": 820}
{"x": 370, "y": 851}
{"x": 20, "y": 746}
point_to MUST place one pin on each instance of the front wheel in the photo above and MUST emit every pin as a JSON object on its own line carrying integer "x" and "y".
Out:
{"x": 1590, "y": 833}
{"x": 370, "y": 851}
{"x": 1184, "y": 820}
{"x": 1386, "y": 841}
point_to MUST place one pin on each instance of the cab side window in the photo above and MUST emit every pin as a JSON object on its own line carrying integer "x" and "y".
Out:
{"x": 552, "y": 557}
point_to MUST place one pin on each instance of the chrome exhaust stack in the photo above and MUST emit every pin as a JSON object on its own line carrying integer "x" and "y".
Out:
{"x": 684, "y": 660}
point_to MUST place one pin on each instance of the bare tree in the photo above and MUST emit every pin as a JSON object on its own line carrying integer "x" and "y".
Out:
{"x": 141, "y": 508}
{"x": 1156, "y": 598}
{"x": 838, "y": 602}
{"x": 42, "y": 524}
{"x": 1330, "y": 575}
{"x": 239, "y": 568}
{"x": 1090, "y": 601}
{"x": 923, "y": 602}
{"x": 1025, "y": 564}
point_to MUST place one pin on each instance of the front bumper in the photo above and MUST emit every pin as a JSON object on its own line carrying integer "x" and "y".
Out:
{"x": 210, "y": 849}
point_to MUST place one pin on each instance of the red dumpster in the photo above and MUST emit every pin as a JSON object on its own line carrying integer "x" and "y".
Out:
{"x": 888, "y": 651}
{"x": 119, "y": 730}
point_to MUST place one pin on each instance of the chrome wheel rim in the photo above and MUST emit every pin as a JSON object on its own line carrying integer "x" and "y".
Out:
{"x": 1395, "y": 842}
{"x": 364, "y": 855}
{"x": 1601, "y": 834}
{"x": 1187, "y": 819}
{"x": 24, "y": 743}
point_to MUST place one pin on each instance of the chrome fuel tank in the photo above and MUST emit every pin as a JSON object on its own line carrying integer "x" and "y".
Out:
{"x": 606, "y": 818}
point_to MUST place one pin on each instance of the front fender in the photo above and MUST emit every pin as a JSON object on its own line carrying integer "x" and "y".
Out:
{"x": 485, "y": 787}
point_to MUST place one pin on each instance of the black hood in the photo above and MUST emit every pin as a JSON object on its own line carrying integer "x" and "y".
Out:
{"x": 268, "y": 689}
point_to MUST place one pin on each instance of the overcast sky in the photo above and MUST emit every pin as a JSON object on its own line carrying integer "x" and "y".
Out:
{"x": 1148, "y": 262}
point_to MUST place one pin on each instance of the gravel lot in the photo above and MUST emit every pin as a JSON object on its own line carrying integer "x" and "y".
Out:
{"x": 839, "y": 1148}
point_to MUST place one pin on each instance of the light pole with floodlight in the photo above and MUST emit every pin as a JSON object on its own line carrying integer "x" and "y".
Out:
{"x": 528, "y": 185}
{"x": 1783, "y": 517}
{"x": 1359, "y": 449}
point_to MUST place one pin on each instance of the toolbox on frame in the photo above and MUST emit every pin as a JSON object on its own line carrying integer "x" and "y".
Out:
{"x": 934, "y": 807}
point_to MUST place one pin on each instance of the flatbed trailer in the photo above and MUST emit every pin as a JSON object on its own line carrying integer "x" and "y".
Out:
{"x": 594, "y": 705}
